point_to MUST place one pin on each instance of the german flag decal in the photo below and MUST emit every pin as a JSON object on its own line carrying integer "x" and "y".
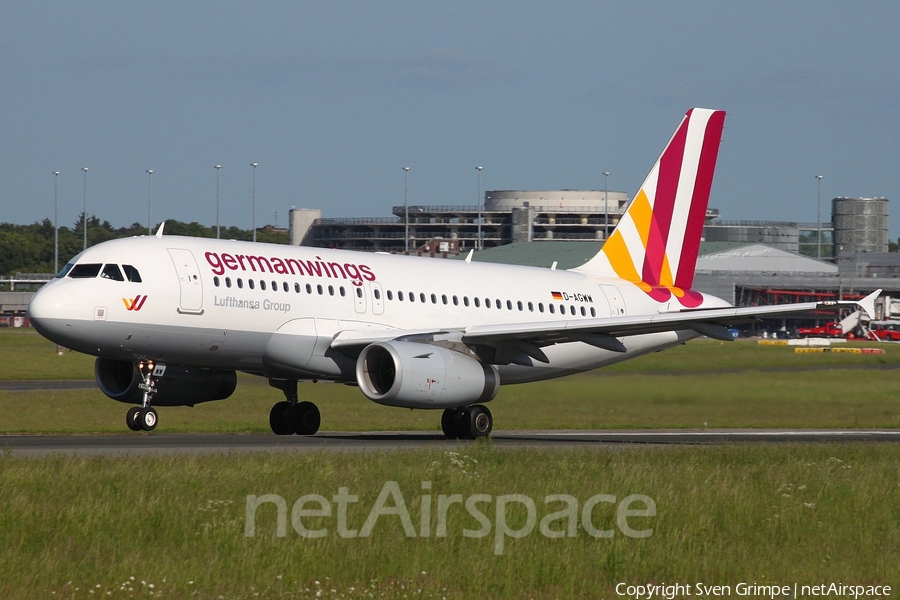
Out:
{"x": 556, "y": 295}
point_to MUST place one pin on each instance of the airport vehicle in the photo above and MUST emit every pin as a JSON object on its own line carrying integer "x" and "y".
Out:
{"x": 828, "y": 330}
{"x": 171, "y": 319}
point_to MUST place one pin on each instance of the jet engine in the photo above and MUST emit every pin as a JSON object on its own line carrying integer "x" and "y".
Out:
{"x": 179, "y": 386}
{"x": 414, "y": 375}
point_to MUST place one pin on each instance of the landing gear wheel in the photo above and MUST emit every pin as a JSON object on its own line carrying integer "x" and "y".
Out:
{"x": 147, "y": 418}
{"x": 450, "y": 423}
{"x": 131, "y": 418}
{"x": 478, "y": 421}
{"x": 305, "y": 418}
{"x": 279, "y": 419}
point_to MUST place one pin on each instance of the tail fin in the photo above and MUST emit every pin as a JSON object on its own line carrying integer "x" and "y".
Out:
{"x": 656, "y": 242}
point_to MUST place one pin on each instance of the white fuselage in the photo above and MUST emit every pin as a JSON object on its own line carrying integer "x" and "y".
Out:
{"x": 216, "y": 303}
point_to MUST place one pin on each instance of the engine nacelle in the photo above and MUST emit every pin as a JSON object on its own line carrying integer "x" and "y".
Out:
{"x": 414, "y": 375}
{"x": 179, "y": 386}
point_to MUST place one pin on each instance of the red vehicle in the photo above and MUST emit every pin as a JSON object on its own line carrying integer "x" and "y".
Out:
{"x": 888, "y": 331}
{"x": 831, "y": 330}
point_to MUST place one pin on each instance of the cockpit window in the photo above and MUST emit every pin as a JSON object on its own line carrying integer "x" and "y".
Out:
{"x": 85, "y": 271}
{"x": 65, "y": 270}
{"x": 112, "y": 272}
{"x": 131, "y": 274}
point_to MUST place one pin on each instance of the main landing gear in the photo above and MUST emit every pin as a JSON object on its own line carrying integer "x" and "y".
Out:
{"x": 290, "y": 416}
{"x": 467, "y": 422}
{"x": 144, "y": 417}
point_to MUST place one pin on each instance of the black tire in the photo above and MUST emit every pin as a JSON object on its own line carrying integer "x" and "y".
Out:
{"x": 131, "y": 418}
{"x": 279, "y": 419}
{"x": 147, "y": 418}
{"x": 479, "y": 421}
{"x": 450, "y": 424}
{"x": 305, "y": 418}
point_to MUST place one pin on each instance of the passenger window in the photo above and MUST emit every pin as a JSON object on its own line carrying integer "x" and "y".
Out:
{"x": 433, "y": 299}
{"x": 86, "y": 271}
{"x": 444, "y": 299}
{"x": 583, "y": 313}
{"x": 519, "y": 305}
{"x": 499, "y": 304}
{"x": 562, "y": 309}
{"x": 252, "y": 284}
{"x": 552, "y": 309}
{"x": 377, "y": 294}
{"x": 466, "y": 300}
{"x": 487, "y": 302}
{"x": 228, "y": 282}
{"x": 216, "y": 281}
{"x": 275, "y": 286}
{"x": 400, "y": 296}
{"x": 331, "y": 290}
{"x": 593, "y": 312}
{"x": 455, "y": 301}
{"x": 390, "y": 295}
{"x": 343, "y": 292}
{"x": 477, "y": 301}
{"x": 284, "y": 286}
{"x": 297, "y": 288}
{"x": 422, "y": 297}
{"x": 131, "y": 274}
{"x": 319, "y": 289}
{"x": 308, "y": 288}
{"x": 240, "y": 283}
{"x": 359, "y": 292}
{"x": 540, "y": 306}
{"x": 571, "y": 309}
{"x": 509, "y": 305}
{"x": 412, "y": 297}
{"x": 530, "y": 307}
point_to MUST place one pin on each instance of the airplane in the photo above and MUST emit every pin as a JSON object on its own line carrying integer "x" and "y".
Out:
{"x": 172, "y": 319}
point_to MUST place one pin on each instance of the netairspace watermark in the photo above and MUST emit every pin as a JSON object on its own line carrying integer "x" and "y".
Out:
{"x": 433, "y": 514}
{"x": 653, "y": 591}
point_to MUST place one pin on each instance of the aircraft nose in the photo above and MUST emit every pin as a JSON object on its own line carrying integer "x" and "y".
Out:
{"x": 48, "y": 306}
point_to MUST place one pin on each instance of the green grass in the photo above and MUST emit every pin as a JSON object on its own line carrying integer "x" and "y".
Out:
{"x": 770, "y": 514}
{"x": 703, "y": 383}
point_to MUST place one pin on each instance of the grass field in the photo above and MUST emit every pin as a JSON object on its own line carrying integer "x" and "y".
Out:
{"x": 175, "y": 526}
{"x": 703, "y": 383}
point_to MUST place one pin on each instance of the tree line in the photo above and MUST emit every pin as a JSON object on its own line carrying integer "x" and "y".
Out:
{"x": 30, "y": 248}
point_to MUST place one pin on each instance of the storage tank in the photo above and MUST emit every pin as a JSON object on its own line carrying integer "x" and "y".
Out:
{"x": 860, "y": 224}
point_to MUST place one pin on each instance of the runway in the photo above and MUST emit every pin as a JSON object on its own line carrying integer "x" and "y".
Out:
{"x": 168, "y": 443}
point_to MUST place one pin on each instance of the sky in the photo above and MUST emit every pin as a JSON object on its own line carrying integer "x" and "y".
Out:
{"x": 333, "y": 99}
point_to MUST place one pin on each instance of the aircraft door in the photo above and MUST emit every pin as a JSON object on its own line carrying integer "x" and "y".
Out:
{"x": 616, "y": 302}
{"x": 191, "y": 301}
{"x": 377, "y": 298}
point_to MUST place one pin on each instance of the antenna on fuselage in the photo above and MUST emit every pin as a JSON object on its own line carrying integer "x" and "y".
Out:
{"x": 159, "y": 232}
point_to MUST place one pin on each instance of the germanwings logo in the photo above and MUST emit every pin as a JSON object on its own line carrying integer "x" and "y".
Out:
{"x": 134, "y": 303}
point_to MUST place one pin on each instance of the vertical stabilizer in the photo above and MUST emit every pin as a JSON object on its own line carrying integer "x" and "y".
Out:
{"x": 656, "y": 242}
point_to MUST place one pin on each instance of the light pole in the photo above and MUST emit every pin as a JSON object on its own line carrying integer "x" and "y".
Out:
{"x": 218, "y": 229}
{"x": 85, "y": 169}
{"x": 406, "y": 207}
{"x": 149, "y": 200}
{"x": 819, "y": 217}
{"x": 606, "y": 206}
{"x": 254, "y": 165}
{"x": 479, "y": 244}
{"x": 56, "y": 221}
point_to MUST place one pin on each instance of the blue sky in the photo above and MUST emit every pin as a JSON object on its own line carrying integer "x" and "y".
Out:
{"x": 333, "y": 99}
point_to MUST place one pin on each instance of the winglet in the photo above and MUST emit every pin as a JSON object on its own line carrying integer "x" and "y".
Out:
{"x": 469, "y": 257}
{"x": 159, "y": 232}
{"x": 868, "y": 303}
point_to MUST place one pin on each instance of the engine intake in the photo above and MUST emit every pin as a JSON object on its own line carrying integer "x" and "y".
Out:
{"x": 180, "y": 386}
{"x": 414, "y": 375}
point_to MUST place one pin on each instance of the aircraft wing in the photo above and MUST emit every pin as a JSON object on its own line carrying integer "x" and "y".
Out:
{"x": 601, "y": 332}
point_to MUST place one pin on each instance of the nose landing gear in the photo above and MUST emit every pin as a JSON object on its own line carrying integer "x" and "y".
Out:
{"x": 144, "y": 417}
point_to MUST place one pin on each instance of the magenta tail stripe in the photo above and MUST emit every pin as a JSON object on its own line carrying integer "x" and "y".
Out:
{"x": 664, "y": 205}
{"x": 700, "y": 200}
